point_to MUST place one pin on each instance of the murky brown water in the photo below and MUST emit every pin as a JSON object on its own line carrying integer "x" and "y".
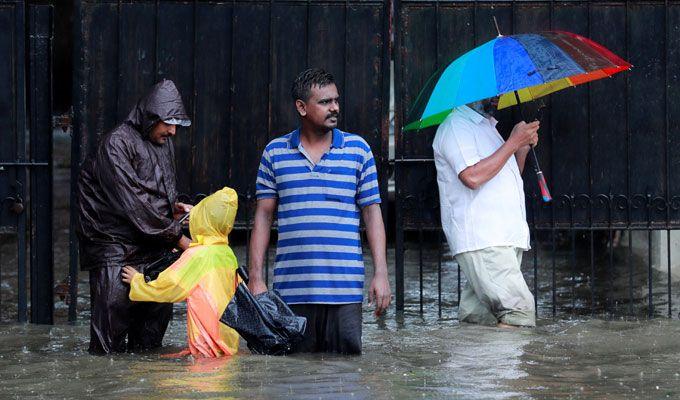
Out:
{"x": 406, "y": 356}
{"x": 575, "y": 359}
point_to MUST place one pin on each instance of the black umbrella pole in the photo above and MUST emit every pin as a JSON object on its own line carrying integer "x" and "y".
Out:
{"x": 542, "y": 184}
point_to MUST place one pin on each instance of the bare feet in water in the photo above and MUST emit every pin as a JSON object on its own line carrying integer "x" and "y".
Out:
{"x": 505, "y": 326}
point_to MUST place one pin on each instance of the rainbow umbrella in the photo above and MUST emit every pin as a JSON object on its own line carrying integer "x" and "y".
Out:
{"x": 518, "y": 68}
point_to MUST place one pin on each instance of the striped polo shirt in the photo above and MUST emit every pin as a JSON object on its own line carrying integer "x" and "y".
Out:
{"x": 318, "y": 256}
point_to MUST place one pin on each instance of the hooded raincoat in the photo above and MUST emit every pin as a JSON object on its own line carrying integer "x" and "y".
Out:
{"x": 126, "y": 196}
{"x": 127, "y": 187}
{"x": 205, "y": 276}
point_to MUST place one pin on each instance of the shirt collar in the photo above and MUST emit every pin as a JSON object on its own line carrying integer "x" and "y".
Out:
{"x": 338, "y": 139}
{"x": 474, "y": 116}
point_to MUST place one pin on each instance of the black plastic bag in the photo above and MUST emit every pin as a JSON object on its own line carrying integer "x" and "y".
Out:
{"x": 265, "y": 321}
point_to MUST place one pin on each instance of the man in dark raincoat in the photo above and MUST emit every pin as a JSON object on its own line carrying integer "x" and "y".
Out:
{"x": 128, "y": 216}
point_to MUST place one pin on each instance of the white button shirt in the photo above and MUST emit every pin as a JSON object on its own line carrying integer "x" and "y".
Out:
{"x": 492, "y": 215}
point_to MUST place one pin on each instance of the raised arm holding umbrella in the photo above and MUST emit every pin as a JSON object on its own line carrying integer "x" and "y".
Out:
{"x": 517, "y": 69}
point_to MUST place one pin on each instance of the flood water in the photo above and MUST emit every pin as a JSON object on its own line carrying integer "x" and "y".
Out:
{"x": 406, "y": 356}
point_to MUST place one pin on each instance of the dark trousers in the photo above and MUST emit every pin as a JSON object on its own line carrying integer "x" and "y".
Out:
{"x": 118, "y": 324}
{"x": 330, "y": 328}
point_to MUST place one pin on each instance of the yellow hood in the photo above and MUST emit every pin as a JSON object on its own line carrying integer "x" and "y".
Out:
{"x": 212, "y": 219}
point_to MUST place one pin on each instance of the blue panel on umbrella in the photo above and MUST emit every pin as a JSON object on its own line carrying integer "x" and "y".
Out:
{"x": 551, "y": 62}
{"x": 514, "y": 68}
{"x": 469, "y": 78}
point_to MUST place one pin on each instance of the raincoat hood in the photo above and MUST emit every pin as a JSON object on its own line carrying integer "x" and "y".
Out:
{"x": 212, "y": 219}
{"x": 162, "y": 103}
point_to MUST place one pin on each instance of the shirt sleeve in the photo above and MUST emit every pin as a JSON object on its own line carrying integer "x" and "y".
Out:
{"x": 265, "y": 185}
{"x": 459, "y": 147}
{"x": 176, "y": 282}
{"x": 164, "y": 289}
{"x": 368, "y": 191}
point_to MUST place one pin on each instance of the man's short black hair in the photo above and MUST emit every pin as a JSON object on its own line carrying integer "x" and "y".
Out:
{"x": 308, "y": 78}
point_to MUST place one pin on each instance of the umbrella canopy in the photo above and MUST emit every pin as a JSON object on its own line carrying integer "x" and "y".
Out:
{"x": 532, "y": 65}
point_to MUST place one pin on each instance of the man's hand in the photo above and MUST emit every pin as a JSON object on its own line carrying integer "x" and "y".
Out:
{"x": 524, "y": 134}
{"x": 256, "y": 286}
{"x": 181, "y": 209}
{"x": 128, "y": 273}
{"x": 184, "y": 243}
{"x": 380, "y": 293}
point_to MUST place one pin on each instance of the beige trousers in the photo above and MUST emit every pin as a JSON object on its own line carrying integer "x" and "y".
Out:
{"x": 495, "y": 290}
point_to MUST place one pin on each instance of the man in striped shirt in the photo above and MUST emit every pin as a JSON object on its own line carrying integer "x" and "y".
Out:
{"x": 320, "y": 180}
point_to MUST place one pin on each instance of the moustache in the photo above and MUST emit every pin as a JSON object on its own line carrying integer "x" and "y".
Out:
{"x": 332, "y": 115}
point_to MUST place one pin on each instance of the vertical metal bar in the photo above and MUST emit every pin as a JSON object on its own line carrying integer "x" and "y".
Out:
{"x": 192, "y": 128}
{"x": 534, "y": 245}
{"x": 1, "y": 319}
{"x": 610, "y": 270}
{"x": 573, "y": 270}
{"x": 307, "y": 41}
{"x": 573, "y": 254}
{"x": 439, "y": 272}
{"x": 668, "y": 276}
{"x": 667, "y": 150}
{"x": 592, "y": 269}
{"x": 399, "y": 154}
{"x": 155, "y": 40}
{"x": 650, "y": 300}
{"x": 628, "y": 158}
{"x": 630, "y": 272}
{"x": 346, "y": 52}
{"x": 553, "y": 281}
{"x": 246, "y": 209}
{"x": 20, "y": 129}
{"x": 76, "y": 145}
{"x": 609, "y": 307}
{"x": 553, "y": 256}
{"x": 420, "y": 260}
{"x": 40, "y": 124}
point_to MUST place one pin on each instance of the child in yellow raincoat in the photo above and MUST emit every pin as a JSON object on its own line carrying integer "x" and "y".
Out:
{"x": 204, "y": 276}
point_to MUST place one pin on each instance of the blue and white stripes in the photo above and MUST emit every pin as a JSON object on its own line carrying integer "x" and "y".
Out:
{"x": 319, "y": 254}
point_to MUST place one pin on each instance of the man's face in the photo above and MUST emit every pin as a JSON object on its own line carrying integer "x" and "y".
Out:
{"x": 490, "y": 106}
{"x": 161, "y": 132}
{"x": 322, "y": 109}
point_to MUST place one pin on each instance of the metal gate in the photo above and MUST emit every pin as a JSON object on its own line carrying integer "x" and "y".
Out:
{"x": 25, "y": 155}
{"x": 609, "y": 148}
{"x": 233, "y": 62}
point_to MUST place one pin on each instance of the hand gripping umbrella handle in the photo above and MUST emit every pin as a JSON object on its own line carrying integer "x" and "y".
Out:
{"x": 542, "y": 184}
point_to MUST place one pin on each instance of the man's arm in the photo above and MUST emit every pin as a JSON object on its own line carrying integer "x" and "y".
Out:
{"x": 379, "y": 290}
{"x": 259, "y": 243}
{"x": 521, "y": 157}
{"x": 122, "y": 187}
{"x": 523, "y": 134}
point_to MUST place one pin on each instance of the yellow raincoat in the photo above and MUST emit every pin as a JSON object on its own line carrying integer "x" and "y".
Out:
{"x": 204, "y": 276}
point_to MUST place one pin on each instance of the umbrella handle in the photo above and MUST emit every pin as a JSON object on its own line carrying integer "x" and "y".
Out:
{"x": 542, "y": 184}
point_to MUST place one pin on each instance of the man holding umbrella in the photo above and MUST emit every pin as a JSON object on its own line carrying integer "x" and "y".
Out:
{"x": 482, "y": 210}
{"x": 320, "y": 180}
{"x": 481, "y": 194}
